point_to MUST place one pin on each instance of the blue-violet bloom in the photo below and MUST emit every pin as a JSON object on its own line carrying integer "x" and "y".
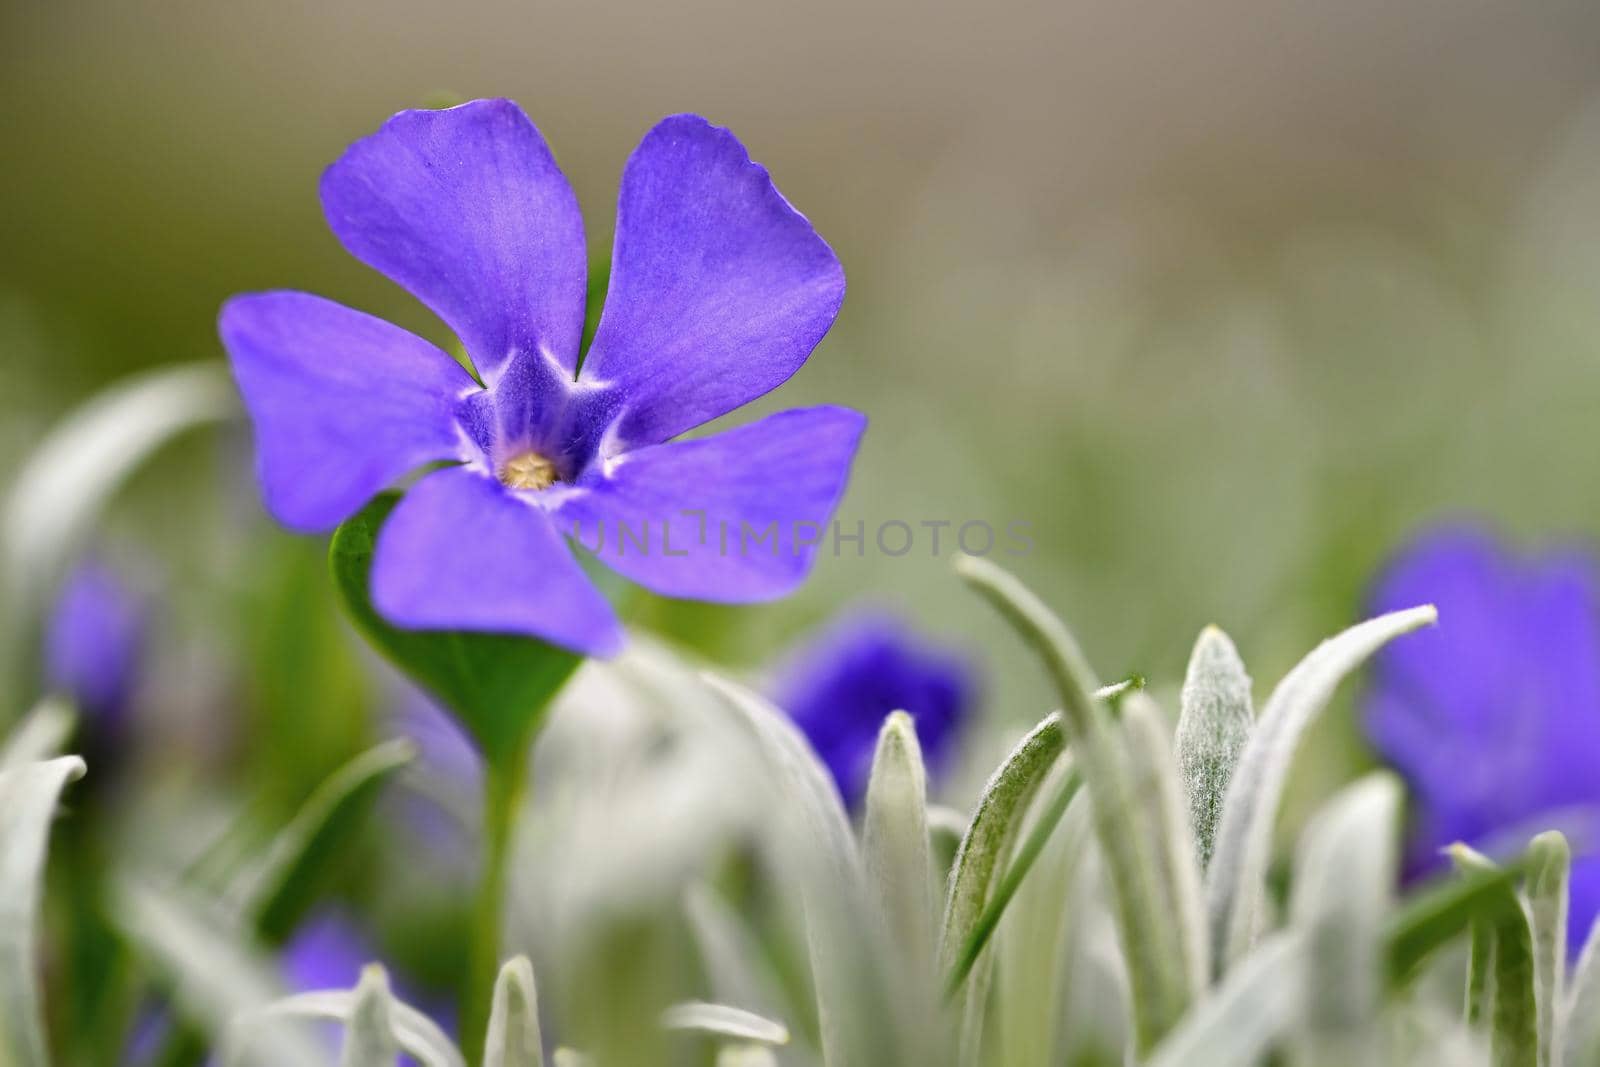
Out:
{"x": 95, "y": 643}
{"x": 1493, "y": 716}
{"x": 719, "y": 290}
{"x": 841, "y": 684}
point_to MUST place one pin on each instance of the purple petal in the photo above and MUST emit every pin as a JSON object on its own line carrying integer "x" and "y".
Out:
{"x": 327, "y": 951}
{"x": 734, "y": 517}
{"x": 343, "y": 403}
{"x": 467, "y": 210}
{"x": 461, "y": 552}
{"x": 94, "y": 645}
{"x": 719, "y": 288}
{"x": 1584, "y": 904}
{"x": 840, "y": 685}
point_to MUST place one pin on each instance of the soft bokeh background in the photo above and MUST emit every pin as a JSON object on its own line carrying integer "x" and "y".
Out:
{"x": 1223, "y": 300}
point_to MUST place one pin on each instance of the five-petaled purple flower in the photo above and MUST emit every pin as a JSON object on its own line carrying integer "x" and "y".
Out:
{"x": 94, "y": 645}
{"x": 840, "y": 685}
{"x": 1494, "y": 715}
{"x": 719, "y": 290}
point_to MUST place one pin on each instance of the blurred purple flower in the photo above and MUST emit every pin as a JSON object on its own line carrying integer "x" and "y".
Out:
{"x": 841, "y": 684}
{"x": 719, "y": 291}
{"x": 1494, "y": 715}
{"x": 94, "y": 645}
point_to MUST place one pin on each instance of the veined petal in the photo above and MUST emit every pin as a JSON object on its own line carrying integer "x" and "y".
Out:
{"x": 719, "y": 288}
{"x": 343, "y": 403}
{"x": 733, "y": 517}
{"x": 467, "y": 209}
{"x": 461, "y": 552}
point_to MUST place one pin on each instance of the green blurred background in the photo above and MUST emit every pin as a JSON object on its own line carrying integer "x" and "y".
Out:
{"x": 1224, "y": 300}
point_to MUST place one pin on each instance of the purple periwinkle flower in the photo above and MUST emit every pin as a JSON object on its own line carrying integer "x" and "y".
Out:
{"x": 719, "y": 290}
{"x": 842, "y": 683}
{"x": 1493, "y": 716}
{"x": 94, "y": 644}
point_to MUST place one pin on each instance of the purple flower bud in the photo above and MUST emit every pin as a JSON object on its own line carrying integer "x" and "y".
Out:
{"x": 94, "y": 645}
{"x": 1493, "y": 716}
{"x": 841, "y": 684}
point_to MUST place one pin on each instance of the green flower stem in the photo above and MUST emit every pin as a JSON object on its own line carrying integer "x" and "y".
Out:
{"x": 505, "y": 781}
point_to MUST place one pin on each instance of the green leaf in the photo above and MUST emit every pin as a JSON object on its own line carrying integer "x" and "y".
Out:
{"x": 1512, "y": 1008}
{"x": 1160, "y": 972}
{"x": 28, "y": 795}
{"x": 498, "y": 685}
{"x": 70, "y": 475}
{"x": 894, "y": 841}
{"x": 416, "y": 1034}
{"x": 1439, "y": 913}
{"x": 1214, "y": 722}
{"x": 275, "y": 892}
{"x": 514, "y": 1039}
{"x": 1582, "y": 1010}
{"x": 723, "y": 1021}
{"x": 369, "y": 1039}
{"x": 994, "y": 828}
{"x": 40, "y": 736}
{"x": 1259, "y": 1003}
{"x": 217, "y": 973}
{"x": 1549, "y": 869}
{"x": 1237, "y": 874}
{"x": 1344, "y": 878}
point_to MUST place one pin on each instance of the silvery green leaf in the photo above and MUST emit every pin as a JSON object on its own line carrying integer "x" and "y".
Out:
{"x": 853, "y": 995}
{"x": 514, "y": 1039}
{"x": 28, "y": 795}
{"x": 1258, "y": 1004}
{"x": 725, "y": 1021}
{"x": 1549, "y": 868}
{"x": 369, "y": 1034}
{"x": 995, "y": 825}
{"x": 1156, "y": 779}
{"x": 274, "y": 891}
{"x": 730, "y": 954}
{"x": 1511, "y": 1008}
{"x": 894, "y": 841}
{"x": 1214, "y": 724}
{"x": 1238, "y": 868}
{"x": 566, "y": 1057}
{"x": 40, "y": 736}
{"x": 1160, "y": 976}
{"x": 216, "y": 973}
{"x": 1582, "y": 1009}
{"x": 81, "y": 462}
{"x": 415, "y": 1033}
{"x": 1344, "y": 877}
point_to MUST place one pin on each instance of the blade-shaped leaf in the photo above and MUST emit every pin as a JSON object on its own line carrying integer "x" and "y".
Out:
{"x": 1582, "y": 1009}
{"x": 1160, "y": 975}
{"x": 28, "y": 795}
{"x": 894, "y": 841}
{"x": 1439, "y": 913}
{"x": 514, "y": 1039}
{"x": 1549, "y": 868}
{"x": 1260, "y": 1002}
{"x": 40, "y": 736}
{"x": 276, "y": 890}
{"x": 212, "y": 965}
{"x": 369, "y": 1039}
{"x": 1214, "y": 723}
{"x": 1344, "y": 879}
{"x": 1174, "y": 863}
{"x": 724, "y": 1021}
{"x": 92, "y": 451}
{"x": 497, "y": 684}
{"x": 416, "y": 1034}
{"x": 1236, "y": 876}
{"x": 1513, "y": 1009}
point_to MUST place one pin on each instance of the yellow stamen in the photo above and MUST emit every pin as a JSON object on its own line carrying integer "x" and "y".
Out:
{"x": 528, "y": 470}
